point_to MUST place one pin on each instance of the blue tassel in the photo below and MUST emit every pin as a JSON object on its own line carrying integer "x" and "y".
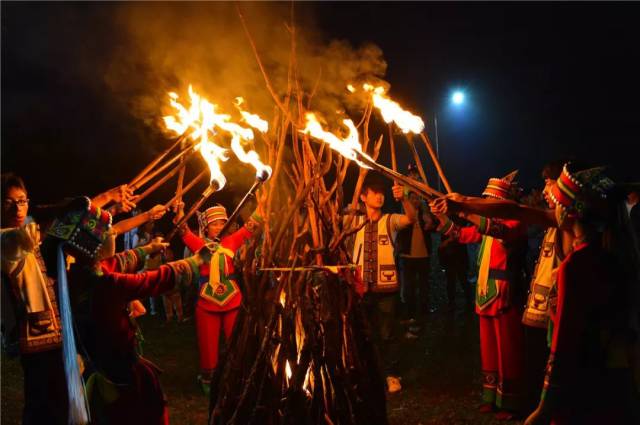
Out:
{"x": 78, "y": 411}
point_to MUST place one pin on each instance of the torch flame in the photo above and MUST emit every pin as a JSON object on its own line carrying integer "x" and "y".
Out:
{"x": 204, "y": 119}
{"x": 392, "y": 112}
{"x": 347, "y": 147}
{"x": 253, "y": 120}
{"x": 200, "y": 116}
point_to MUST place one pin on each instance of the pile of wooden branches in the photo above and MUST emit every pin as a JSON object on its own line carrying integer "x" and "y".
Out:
{"x": 302, "y": 350}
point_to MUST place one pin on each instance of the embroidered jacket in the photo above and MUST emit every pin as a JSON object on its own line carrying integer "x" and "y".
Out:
{"x": 101, "y": 297}
{"x": 218, "y": 288}
{"x": 32, "y": 295}
{"x": 499, "y": 260}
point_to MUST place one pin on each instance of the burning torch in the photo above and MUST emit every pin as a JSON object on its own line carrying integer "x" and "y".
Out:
{"x": 261, "y": 177}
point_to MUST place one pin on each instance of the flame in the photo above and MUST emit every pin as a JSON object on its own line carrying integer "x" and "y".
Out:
{"x": 283, "y": 298}
{"x": 347, "y": 147}
{"x": 205, "y": 120}
{"x": 351, "y": 88}
{"x": 300, "y": 335}
{"x": 308, "y": 381}
{"x": 287, "y": 371}
{"x": 392, "y": 112}
{"x": 252, "y": 119}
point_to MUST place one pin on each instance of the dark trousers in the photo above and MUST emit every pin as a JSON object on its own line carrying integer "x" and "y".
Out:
{"x": 381, "y": 310}
{"x": 414, "y": 285}
{"x": 45, "y": 388}
{"x": 536, "y": 356}
{"x": 456, "y": 272}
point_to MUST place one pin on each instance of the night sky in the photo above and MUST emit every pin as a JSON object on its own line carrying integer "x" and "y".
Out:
{"x": 542, "y": 81}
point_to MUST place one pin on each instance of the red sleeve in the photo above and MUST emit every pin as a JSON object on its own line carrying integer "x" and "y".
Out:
{"x": 570, "y": 319}
{"x": 469, "y": 234}
{"x": 123, "y": 262}
{"x": 192, "y": 242}
{"x": 236, "y": 239}
{"x": 141, "y": 285}
{"x": 506, "y": 230}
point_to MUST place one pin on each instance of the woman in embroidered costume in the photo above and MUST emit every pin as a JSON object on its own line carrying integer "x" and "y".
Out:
{"x": 220, "y": 296}
{"x": 542, "y": 290}
{"x": 122, "y": 387}
{"x": 588, "y": 380}
{"x": 500, "y": 263}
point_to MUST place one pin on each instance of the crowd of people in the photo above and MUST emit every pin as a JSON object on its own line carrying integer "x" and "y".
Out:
{"x": 559, "y": 338}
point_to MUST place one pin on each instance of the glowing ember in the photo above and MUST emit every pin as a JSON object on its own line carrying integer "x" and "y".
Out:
{"x": 347, "y": 147}
{"x": 392, "y": 112}
{"x": 283, "y": 298}
{"x": 351, "y": 88}
{"x": 300, "y": 335}
{"x": 308, "y": 381}
{"x": 287, "y": 371}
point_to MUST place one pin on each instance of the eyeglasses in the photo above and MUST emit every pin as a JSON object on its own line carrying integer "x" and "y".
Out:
{"x": 8, "y": 203}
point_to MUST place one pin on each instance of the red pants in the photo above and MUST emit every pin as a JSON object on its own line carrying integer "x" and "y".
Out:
{"x": 501, "y": 352}
{"x": 208, "y": 325}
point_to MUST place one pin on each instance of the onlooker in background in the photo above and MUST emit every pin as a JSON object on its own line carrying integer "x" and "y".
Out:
{"x": 172, "y": 299}
{"x": 412, "y": 250}
{"x": 454, "y": 258}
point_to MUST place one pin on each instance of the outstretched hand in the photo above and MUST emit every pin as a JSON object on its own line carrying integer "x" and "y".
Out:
{"x": 124, "y": 196}
{"x": 446, "y": 205}
{"x": 157, "y": 212}
{"x": 155, "y": 246}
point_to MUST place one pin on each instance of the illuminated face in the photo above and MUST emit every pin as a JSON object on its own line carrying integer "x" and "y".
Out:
{"x": 372, "y": 199}
{"x": 15, "y": 206}
{"x": 548, "y": 185}
{"x": 214, "y": 228}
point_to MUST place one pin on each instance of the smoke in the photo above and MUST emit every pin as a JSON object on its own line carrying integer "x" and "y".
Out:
{"x": 166, "y": 47}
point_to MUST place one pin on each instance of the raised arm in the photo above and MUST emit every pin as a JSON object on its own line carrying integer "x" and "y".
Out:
{"x": 124, "y": 226}
{"x": 410, "y": 215}
{"x": 507, "y": 230}
{"x": 121, "y": 194}
{"x": 494, "y": 208}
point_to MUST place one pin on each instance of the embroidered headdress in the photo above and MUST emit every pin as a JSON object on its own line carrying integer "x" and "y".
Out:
{"x": 501, "y": 188}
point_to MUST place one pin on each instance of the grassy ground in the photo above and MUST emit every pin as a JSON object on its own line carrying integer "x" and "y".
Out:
{"x": 440, "y": 371}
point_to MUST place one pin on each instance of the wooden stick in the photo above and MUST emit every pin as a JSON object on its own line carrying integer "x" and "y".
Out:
{"x": 210, "y": 190}
{"x": 394, "y": 163}
{"x": 156, "y": 161}
{"x": 181, "y": 167}
{"x": 180, "y": 181}
{"x": 416, "y": 158}
{"x": 149, "y": 176}
{"x": 434, "y": 157}
{"x": 187, "y": 188}
{"x": 423, "y": 189}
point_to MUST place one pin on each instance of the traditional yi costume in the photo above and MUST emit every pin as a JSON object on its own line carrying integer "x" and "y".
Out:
{"x": 586, "y": 382}
{"x": 219, "y": 294}
{"x": 30, "y": 313}
{"x": 121, "y": 386}
{"x": 500, "y": 262}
